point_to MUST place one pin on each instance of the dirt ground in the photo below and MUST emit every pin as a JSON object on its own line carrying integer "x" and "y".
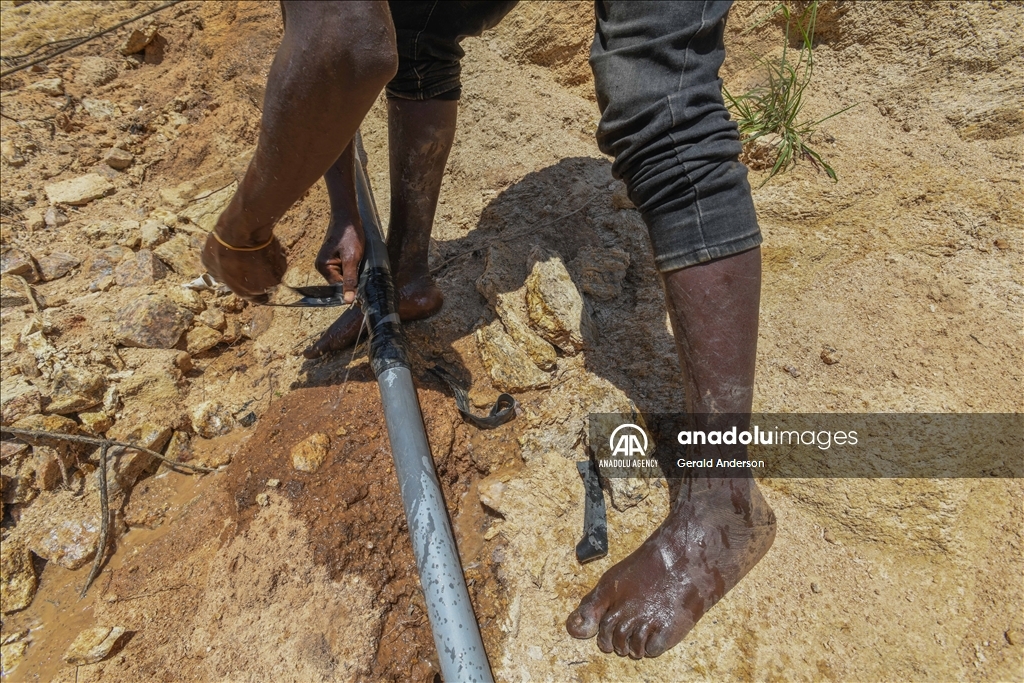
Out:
{"x": 909, "y": 266}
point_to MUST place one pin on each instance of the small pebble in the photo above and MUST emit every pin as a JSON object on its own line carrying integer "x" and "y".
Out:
{"x": 273, "y": 483}
{"x": 829, "y": 537}
{"x": 263, "y": 500}
{"x": 341, "y": 431}
{"x": 815, "y": 588}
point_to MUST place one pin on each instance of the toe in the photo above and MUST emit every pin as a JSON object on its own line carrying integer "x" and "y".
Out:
{"x": 656, "y": 643}
{"x": 635, "y": 642}
{"x": 606, "y": 632}
{"x": 620, "y": 636}
{"x": 585, "y": 620}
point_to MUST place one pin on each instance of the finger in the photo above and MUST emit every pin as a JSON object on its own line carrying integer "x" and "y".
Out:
{"x": 351, "y": 255}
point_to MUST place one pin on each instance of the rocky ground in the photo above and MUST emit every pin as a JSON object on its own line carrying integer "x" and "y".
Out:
{"x": 899, "y": 288}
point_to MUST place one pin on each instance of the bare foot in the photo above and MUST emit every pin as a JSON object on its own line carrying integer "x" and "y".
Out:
{"x": 418, "y": 299}
{"x": 647, "y": 603}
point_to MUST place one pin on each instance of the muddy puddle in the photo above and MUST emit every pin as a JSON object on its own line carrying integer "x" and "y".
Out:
{"x": 58, "y": 613}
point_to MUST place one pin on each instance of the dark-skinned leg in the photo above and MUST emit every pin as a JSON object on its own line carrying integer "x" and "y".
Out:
{"x": 333, "y": 61}
{"x": 719, "y": 527}
{"x": 420, "y": 135}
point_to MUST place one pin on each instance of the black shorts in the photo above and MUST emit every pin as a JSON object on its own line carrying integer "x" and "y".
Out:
{"x": 428, "y": 34}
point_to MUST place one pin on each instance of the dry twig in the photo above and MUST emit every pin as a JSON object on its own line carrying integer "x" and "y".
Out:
{"x": 95, "y": 441}
{"x": 101, "y": 545}
{"x": 105, "y": 445}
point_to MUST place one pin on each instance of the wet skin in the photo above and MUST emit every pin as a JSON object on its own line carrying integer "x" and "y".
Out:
{"x": 334, "y": 60}
{"x": 719, "y": 527}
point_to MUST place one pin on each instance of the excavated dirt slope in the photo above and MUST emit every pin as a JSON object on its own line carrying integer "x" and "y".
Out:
{"x": 909, "y": 267}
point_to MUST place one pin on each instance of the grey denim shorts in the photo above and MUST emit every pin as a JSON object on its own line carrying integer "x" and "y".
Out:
{"x": 663, "y": 119}
{"x": 655, "y": 70}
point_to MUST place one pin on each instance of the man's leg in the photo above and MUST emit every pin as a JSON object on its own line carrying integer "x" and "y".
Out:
{"x": 719, "y": 527}
{"x": 420, "y": 135}
{"x": 422, "y": 108}
{"x": 656, "y": 74}
{"x": 334, "y": 59}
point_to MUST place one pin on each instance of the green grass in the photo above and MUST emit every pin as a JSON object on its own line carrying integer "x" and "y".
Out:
{"x": 773, "y": 108}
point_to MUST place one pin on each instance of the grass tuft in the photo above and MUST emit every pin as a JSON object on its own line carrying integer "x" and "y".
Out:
{"x": 771, "y": 110}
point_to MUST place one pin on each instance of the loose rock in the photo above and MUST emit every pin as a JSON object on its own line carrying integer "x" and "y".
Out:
{"x": 93, "y": 645}
{"x": 56, "y": 265}
{"x": 126, "y": 468}
{"x": 601, "y": 271}
{"x": 181, "y": 254}
{"x": 55, "y": 218}
{"x": 17, "y": 578}
{"x": 12, "y": 293}
{"x": 11, "y": 154}
{"x": 179, "y": 448}
{"x": 18, "y": 399}
{"x": 76, "y": 389}
{"x": 309, "y": 455}
{"x": 144, "y": 269}
{"x": 202, "y": 338}
{"x": 511, "y": 309}
{"x": 96, "y": 71}
{"x": 511, "y": 369}
{"x": 100, "y": 109}
{"x": 187, "y": 299}
{"x": 830, "y": 356}
{"x": 79, "y": 191}
{"x": 11, "y": 655}
{"x": 620, "y": 197}
{"x": 211, "y": 418}
{"x": 154, "y": 233}
{"x": 213, "y": 317}
{"x": 48, "y": 466}
{"x": 54, "y": 87}
{"x": 18, "y": 262}
{"x": 138, "y": 41}
{"x": 96, "y": 422}
{"x": 151, "y": 322}
{"x": 118, "y": 159}
{"x": 35, "y": 219}
{"x": 554, "y": 304}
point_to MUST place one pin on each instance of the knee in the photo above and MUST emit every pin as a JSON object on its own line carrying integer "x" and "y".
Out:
{"x": 353, "y": 41}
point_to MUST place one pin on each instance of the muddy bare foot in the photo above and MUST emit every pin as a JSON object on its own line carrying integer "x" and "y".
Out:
{"x": 417, "y": 299}
{"x": 648, "y": 602}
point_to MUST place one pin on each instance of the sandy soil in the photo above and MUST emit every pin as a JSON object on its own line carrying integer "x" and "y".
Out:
{"x": 909, "y": 266}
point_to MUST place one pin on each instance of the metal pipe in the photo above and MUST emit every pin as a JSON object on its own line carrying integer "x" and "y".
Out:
{"x": 460, "y": 648}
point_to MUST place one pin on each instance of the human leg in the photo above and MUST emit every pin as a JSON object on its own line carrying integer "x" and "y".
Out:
{"x": 334, "y": 58}
{"x": 422, "y": 111}
{"x": 655, "y": 68}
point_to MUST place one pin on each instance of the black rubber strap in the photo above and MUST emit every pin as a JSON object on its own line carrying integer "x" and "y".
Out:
{"x": 503, "y": 410}
{"x": 594, "y": 544}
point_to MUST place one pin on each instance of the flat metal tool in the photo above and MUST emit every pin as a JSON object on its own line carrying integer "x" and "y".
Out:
{"x": 318, "y": 296}
{"x": 594, "y": 544}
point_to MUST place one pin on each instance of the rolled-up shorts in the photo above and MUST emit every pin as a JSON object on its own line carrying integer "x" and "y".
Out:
{"x": 663, "y": 119}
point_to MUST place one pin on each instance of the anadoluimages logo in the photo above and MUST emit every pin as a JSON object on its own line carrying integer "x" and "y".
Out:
{"x": 628, "y": 444}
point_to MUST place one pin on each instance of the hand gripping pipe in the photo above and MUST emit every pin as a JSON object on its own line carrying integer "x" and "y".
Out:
{"x": 460, "y": 649}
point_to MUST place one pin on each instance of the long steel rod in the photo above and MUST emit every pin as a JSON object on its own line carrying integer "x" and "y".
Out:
{"x": 460, "y": 649}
